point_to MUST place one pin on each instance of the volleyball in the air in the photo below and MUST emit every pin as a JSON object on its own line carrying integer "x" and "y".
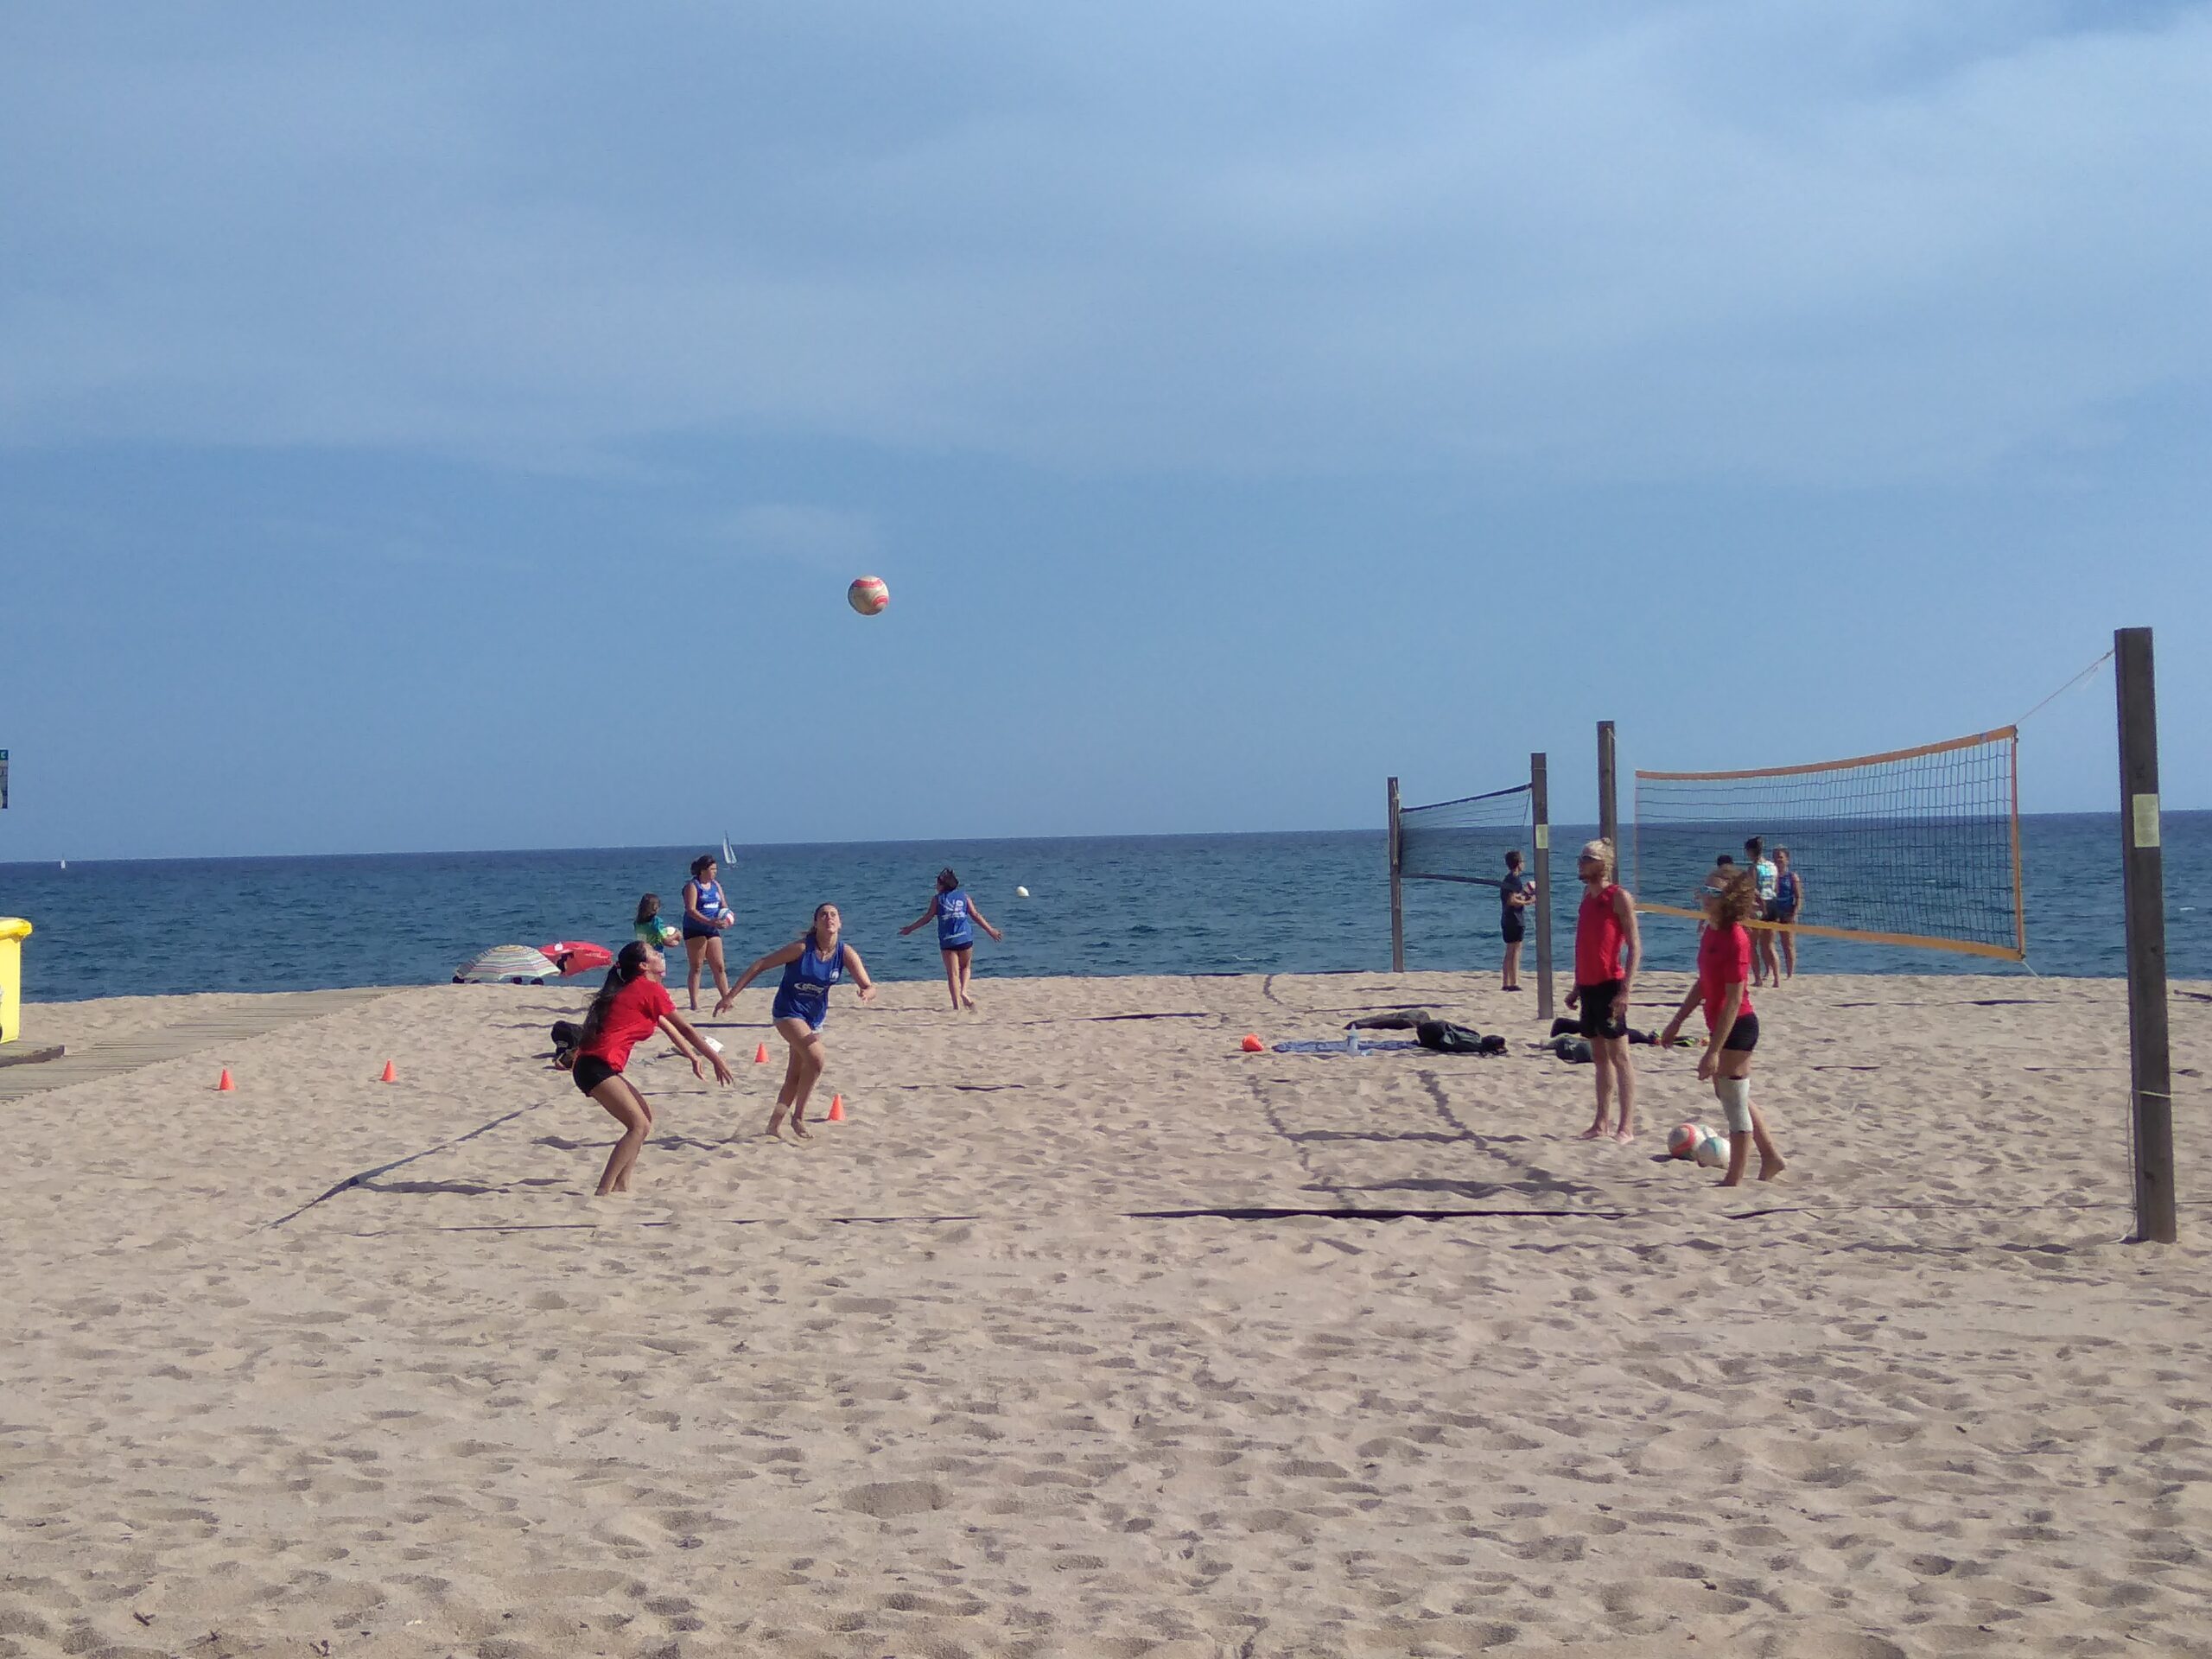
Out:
{"x": 1713, "y": 1153}
{"x": 868, "y": 596}
{"x": 1682, "y": 1139}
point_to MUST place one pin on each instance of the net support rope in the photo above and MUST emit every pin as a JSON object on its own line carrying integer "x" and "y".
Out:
{"x": 1916, "y": 847}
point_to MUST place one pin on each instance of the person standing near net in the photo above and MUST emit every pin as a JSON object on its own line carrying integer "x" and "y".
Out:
{"x": 1515, "y": 895}
{"x": 1724, "y": 962}
{"x": 1788, "y": 900}
{"x": 1608, "y": 950}
{"x": 1764, "y": 967}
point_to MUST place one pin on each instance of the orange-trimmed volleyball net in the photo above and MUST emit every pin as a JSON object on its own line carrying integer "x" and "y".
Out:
{"x": 1918, "y": 847}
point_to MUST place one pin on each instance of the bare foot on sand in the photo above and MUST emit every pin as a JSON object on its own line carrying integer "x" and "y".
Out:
{"x": 1772, "y": 1172}
{"x": 1596, "y": 1132}
{"x": 1624, "y": 1134}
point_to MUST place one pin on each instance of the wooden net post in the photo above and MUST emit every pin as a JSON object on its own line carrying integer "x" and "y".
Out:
{"x": 2151, "y": 1076}
{"x": 1540, "y": 810}
{"x": 1609, "y": 809}
{"x": 1397, "y": 901}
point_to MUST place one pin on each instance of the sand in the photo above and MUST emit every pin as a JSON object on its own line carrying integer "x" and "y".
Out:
{"x": 948, "y": 1381}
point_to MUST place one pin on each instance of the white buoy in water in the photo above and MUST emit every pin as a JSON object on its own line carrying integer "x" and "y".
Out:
{"x": 1022, "y": 893}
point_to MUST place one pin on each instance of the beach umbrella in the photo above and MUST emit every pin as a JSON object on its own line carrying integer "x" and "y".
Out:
{"x": 506, "y": 964}
{"x": 574, "y": 957}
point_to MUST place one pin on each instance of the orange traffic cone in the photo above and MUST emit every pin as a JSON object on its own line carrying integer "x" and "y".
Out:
{"x": 223, "y": 1085}
{"x": 389, "y": 1075}
{"x": 1252, "y": 1043}
{"x": 760, "y": 1055}
{"x": 836, "y": 1110}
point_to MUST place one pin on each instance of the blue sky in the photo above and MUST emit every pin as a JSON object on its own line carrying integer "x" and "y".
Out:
{"x": 454, "y": 428}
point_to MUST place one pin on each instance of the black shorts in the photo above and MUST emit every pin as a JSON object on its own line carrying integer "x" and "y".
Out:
{"x": 1781, "y": 915}
{"x": 1743, "y": 1036}
{"x": 1514, "y": 928}
{"x": 693, "y": 930}
{"x": 591, "y": 1071}
{"x": 1596, "y": 1003}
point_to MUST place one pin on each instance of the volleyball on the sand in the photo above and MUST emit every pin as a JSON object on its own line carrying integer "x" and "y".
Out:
{"x": 1711, "y": 1152}
{"x": 1682, "y": 1139}
{"x": 868, "y": 596}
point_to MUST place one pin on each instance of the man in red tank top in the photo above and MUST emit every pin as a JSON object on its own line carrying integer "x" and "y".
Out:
{"x": 1607, "y": 951}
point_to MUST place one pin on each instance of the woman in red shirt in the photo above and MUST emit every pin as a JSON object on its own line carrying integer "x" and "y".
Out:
{"x": 1608, "y": 950}
{"x": 630, "y": 1007}
{"x": 1724, "y": 969}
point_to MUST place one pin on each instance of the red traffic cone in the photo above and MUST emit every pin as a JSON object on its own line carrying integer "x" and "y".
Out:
{"x": 1252, "y": 1043}
{"x": 836, "y": 1110}
{"x": 223, "y": 1085}
{"x": 389, "y": 1075}
{"x": 760, "y": 1054}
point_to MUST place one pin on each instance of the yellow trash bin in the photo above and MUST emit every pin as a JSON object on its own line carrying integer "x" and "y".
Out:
{"x": 14, "y": 930}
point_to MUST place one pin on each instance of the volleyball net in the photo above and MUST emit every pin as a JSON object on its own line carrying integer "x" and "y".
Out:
{"x": 1916, "y": 847}
{"x": 1465, "y": 840}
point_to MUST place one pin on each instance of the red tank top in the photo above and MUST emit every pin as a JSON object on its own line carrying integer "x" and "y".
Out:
{"x": 1600, "y": 941}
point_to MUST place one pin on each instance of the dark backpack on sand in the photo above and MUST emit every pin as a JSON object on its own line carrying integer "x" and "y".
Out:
{"x": 1444, "y": 1037}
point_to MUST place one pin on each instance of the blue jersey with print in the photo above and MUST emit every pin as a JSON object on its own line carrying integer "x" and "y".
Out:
{"x": 709, "y": 902}
{"x": 804, "y": 994}
{"x": 953, "y": 929}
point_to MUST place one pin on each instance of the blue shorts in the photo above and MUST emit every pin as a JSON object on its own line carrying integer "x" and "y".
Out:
{"x": 813, "y": 1014}
{"x": 967, "y": 943}
{"x": 693, "y": 930}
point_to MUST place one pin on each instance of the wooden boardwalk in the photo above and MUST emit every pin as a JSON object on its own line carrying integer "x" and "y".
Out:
{"x": 90, "y": 1061}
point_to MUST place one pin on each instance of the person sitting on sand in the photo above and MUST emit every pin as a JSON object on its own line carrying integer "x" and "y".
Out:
{"x": 631, "y": 1006}
{"x": 811, "y": 964}
{"x": 951, "y": 909}
{"x": 1605, "y": 929}
{"x": 1724, "y": 963}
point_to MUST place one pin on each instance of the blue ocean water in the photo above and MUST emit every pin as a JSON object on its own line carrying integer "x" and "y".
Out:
{"x": 1291, "y": 903}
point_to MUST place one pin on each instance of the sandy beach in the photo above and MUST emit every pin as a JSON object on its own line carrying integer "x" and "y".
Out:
{"x": 997, "y": 1367}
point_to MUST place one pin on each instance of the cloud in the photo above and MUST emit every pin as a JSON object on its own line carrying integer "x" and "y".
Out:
{"x": 1835, "y": 243}
{"x": 831, "y": 537}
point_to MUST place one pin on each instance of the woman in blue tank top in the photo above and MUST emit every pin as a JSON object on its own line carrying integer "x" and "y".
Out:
{"x": 705, "y": 916}
{"x": 952, "y": 910}
{"x": 811, "y": 964}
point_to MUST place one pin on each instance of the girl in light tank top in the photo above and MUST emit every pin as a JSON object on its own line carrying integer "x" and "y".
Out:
{"x": 952, "y": 910}
{"x": 813, "y": 962}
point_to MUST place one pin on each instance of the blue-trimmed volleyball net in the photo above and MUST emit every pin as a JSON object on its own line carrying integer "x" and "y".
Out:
{"x": 1916, "y": 847}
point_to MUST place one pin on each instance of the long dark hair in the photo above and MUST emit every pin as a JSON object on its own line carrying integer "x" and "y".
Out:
{"x": 648, "y": 908}
{"x": 814, "y": 944}
{"x": 699, "y": 865}
{"x": 628, "y": 965}
{"x": 946, "y": 880}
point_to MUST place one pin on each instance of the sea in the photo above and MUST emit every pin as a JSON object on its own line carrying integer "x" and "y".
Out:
{"x": 1313, "y": 902}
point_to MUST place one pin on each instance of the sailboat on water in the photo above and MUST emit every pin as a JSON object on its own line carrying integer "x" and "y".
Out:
{"x": 729, "y": 857}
